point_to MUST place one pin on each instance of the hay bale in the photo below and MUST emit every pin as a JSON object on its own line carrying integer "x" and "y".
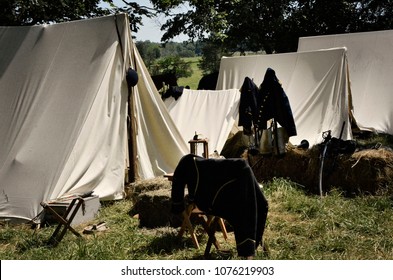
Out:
{"x": 369, "y": 171}
{"x": 154, "y": 209}
{"x": 366, "y": 171}
{"x": 234, "y": 146}
{"x": 295, "y": 165}
{"x": 133, "y": 190}
{"x": 152, "y": 203}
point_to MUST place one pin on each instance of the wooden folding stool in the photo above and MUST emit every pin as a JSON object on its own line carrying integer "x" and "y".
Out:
{"x": 209, "y": 224}
{"x": 64, "y": 221}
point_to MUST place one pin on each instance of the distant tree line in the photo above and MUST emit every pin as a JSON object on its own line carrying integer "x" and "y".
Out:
{"x": 168, "y": 58}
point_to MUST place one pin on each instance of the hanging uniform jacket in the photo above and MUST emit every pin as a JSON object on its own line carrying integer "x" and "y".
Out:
{"x": 248, "y": 106}
{"x": 226, "y": 188}
{"x": 274, "y": 104}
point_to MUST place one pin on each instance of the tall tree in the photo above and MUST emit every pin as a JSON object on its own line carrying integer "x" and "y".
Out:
{"x": 211, "y": 58}
{"x": 172, "y": 65}
{"x": 149, "y": 51}
{"x": 271, "y": 25}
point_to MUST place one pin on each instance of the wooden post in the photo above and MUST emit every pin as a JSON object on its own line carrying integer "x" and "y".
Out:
{"x": 132, "y": 170}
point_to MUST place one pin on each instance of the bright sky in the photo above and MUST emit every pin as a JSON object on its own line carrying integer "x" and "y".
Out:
{"x": 151, "y": 27}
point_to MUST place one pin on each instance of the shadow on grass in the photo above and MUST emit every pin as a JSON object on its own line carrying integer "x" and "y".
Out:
{"x": 31, "y": 244}
{"x": 170, "y": 244}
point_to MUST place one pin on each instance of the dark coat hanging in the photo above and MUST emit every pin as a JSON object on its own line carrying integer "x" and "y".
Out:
{"x": 226, "y": 188}
{"x": 274, "y": 104}
{"x": 248, "y": 107}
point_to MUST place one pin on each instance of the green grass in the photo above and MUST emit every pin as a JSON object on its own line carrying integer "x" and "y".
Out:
{"x": 299, "y": 227}
{"x": 334, "y": 227}
{"x": 192, "y": 81}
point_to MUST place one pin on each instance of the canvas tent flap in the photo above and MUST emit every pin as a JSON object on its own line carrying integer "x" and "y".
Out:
{"x": 370, "y": 61}
{"x": 209, "y": 113}
{"x": 63, "y": 114}
{"x": 160, "y": 144}
{"x": 315, "y": 83}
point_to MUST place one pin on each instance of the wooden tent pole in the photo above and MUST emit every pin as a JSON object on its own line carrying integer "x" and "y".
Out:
{"x": 132, "y": 170}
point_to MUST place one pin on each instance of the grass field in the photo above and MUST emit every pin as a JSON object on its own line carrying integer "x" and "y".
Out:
{"x": 192, "y": 81}
{"x": 299, "y": 227}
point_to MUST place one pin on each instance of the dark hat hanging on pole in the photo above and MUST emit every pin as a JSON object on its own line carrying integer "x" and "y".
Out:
{"x": 304, "y": 144}
{"x": 132, "y": 77}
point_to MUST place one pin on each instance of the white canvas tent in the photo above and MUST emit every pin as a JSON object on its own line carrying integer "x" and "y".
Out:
{"x": 315, "y": 83}
{"x": 370, "y": 60}
{"x": 63, "y": 114}
{"x": 209, "y": 113}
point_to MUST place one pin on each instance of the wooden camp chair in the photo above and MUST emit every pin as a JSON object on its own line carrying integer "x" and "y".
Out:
{"x": 64, "y": 221}
{"x": 192, "y": 212}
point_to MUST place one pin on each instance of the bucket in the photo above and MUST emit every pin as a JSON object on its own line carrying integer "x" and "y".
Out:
{"x": 273, "y": 142}
{"x": 281, "y": 141}
{"x": 266, "y": 143}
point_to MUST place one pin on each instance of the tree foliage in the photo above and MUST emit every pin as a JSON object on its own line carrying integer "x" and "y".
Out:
{"x": 185, "y": 49}
{"x": 28, "y": 12}
{"x": 134, "y": 10}
{"x": 149, "y": 51}
{"x": 270, "y": 25}
{"x": 172, "y": 65}
{"x": 155, "y": 56}
{"x": 211, "y": 58}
